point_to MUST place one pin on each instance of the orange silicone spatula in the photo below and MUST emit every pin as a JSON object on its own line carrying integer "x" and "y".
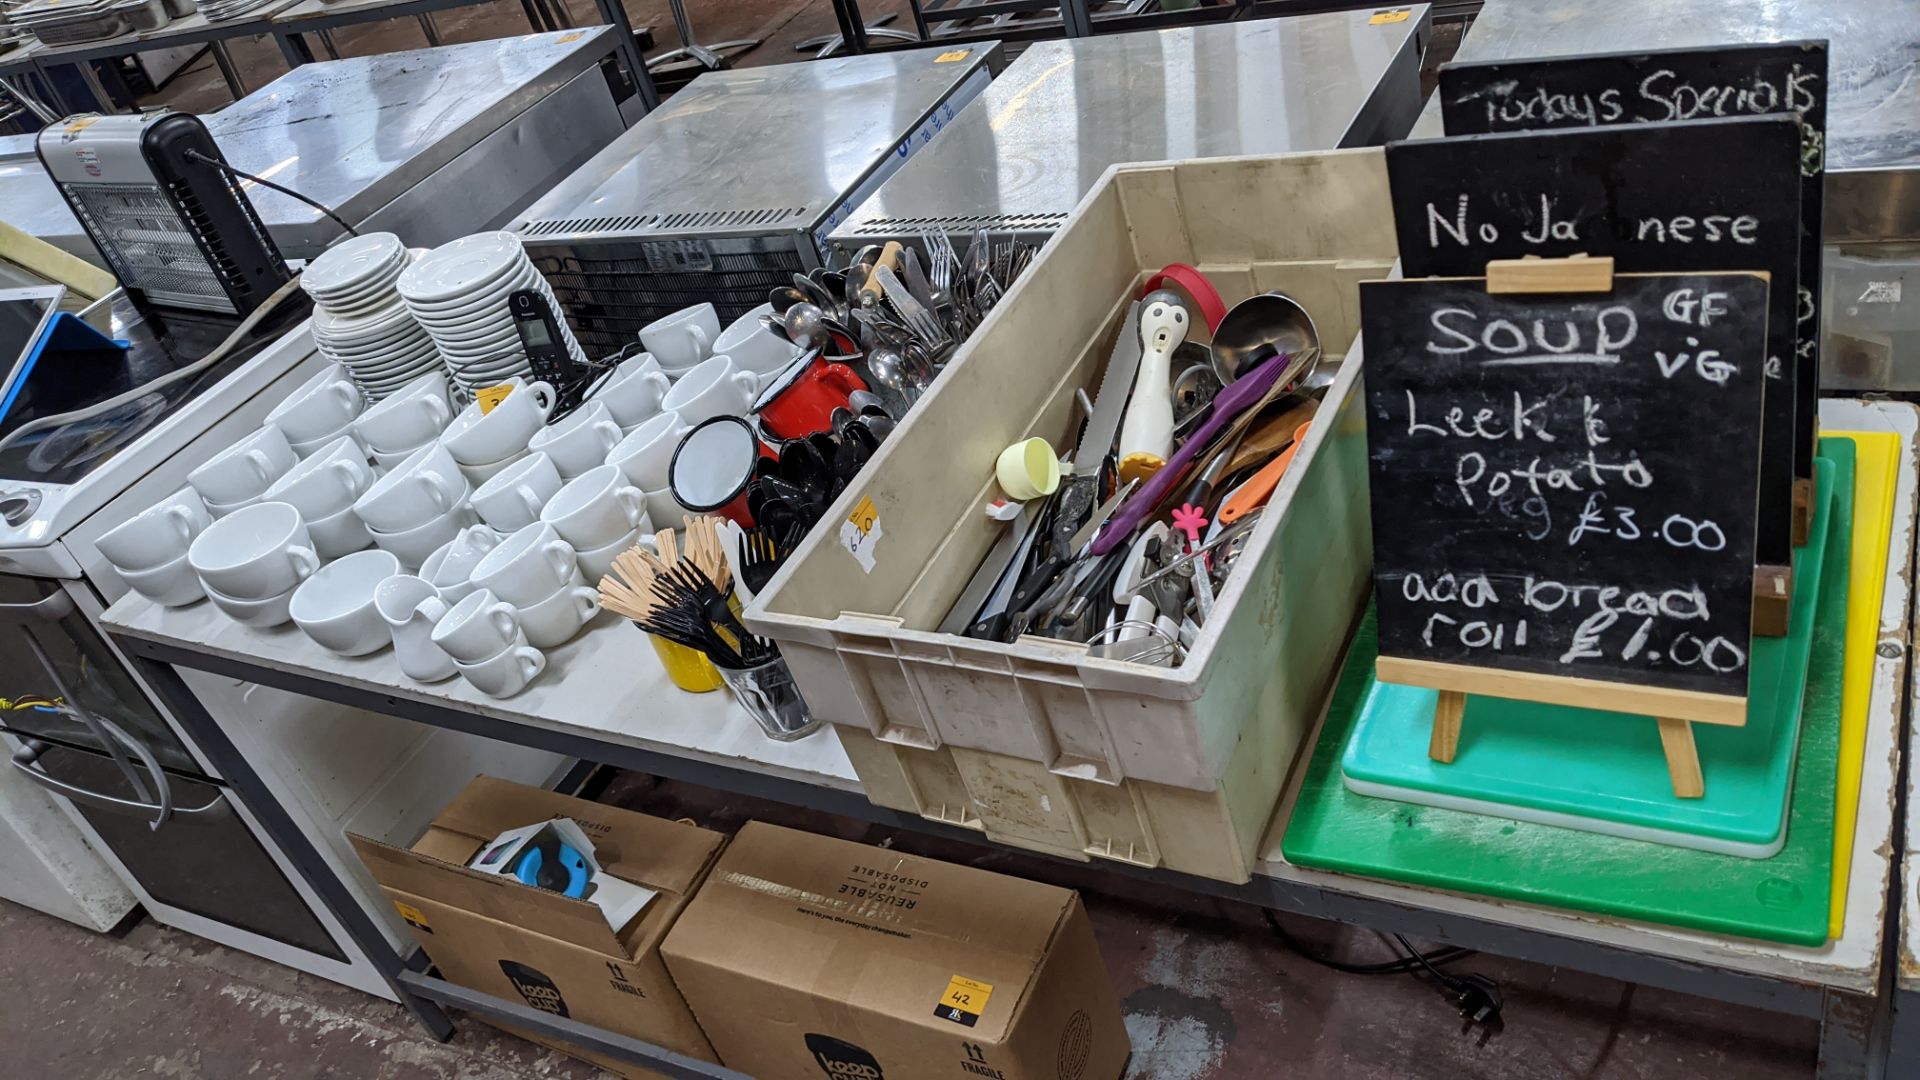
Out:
{"x": 1255, "y": 492}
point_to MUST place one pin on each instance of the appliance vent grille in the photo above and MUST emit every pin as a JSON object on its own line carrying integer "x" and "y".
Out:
{"x": 636, "y": 223}
{"x": 993, "y": 223}
{"x": 148, "y": 243}
{"x": 610, "y": 293}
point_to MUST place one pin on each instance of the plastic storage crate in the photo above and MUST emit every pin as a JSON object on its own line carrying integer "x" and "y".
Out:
{"x": 862, "y": 644}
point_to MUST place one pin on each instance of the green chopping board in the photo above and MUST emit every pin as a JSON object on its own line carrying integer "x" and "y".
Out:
{"x": 1607, "y": 772}
{"x": 1784, "y": 898}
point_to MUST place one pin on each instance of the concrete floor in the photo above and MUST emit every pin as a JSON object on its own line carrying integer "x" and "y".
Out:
{"x": 1209, "y": 994}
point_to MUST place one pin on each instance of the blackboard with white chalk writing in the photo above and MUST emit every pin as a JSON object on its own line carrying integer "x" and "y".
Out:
{"x": 1695, "y": 196}
{"x": 1675, "y": 84}
{"x": 1566, "y": 484}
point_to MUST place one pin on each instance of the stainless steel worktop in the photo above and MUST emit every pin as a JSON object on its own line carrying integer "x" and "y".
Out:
{"x": 1049, "y": 126}
{"x": 363, "y": 133}
{"x": 789, "y": 140}
{"x": 1873, "y": 92}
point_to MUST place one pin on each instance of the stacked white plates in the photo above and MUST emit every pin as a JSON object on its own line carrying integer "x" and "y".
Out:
{"x": 359, "y": 321}
{"x": 459, "y": 292}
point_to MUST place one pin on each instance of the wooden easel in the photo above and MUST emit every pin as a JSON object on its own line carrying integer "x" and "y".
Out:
{"x": 1674, "y": 711}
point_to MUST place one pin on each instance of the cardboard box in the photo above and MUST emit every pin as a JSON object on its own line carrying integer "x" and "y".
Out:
{"x": 492, "y": 933}
{"x": 810, "y": 958}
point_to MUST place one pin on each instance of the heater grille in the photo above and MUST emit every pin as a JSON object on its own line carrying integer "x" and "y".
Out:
{"x": 149, "y": 245}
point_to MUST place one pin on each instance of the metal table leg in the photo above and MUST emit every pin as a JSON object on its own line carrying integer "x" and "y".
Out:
{"x": 332, "y": 46}
{"x": 239, "y": 773}
{"x": 103, "y": 102}
{"x": 293, "y": 49}
{"x": 708, "y": 56}
{"x": 1074, "y": 14}
{"x": 614, "y": 14}
{"x": 426, "y": 27}
{"x": 227, "y": 70}
{"x": 833, "y": 44}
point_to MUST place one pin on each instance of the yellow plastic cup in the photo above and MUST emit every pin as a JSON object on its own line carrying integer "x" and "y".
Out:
{"x": 689, "y": 669}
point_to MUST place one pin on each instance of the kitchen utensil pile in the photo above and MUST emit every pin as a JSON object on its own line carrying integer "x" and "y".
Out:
{"x": 1161, "y": 489}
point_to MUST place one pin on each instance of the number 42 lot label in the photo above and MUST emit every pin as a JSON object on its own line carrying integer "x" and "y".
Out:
{"x": 1567, "y": 484}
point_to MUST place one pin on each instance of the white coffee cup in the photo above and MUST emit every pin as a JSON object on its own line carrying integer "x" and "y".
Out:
{"x": 255, "y": 553}
{"x": 580, "y": 441}
{"x": 260, "y": 614}
{"x": 245, "y": 469}
{"x": 218, "y": 510}
{"x": 479, "y": 627}
{"x": 419, "y": 489}
{"x": 596, "y": 508}
{"x": 414, "y": 546}
{"x": 466, "y": 549}
{"x": 555, "y": 618}
{"x": 528, "y": 566}
{"x": 408, "y": 418}
{"x": 715, "y": 387}
{"x": 157, "y": 535}
{"x": 321, "y": 442}
{"x": 596, "y": 563}
{"x": 326, "y": 482}
{"x": 646, "y": 452}
{"x": 450, "y": 577}
{"x": 476, "y": 439}
{"x": 338, "y": 534}
{"x": 754, "y": 347}
{"x": 324, "y": 403}
{"x": 335, "y": 605}
{"x": 663, "y": 510}
{"x": 506, "y": 674}
{"x": 410, "y": 606}
{"x": 514, "y": 497}
{"x": 634, "y": 390}
{"x": 480, "y": 474}
{"x": 682, "y": 339}
{"x": 171, "y": 584}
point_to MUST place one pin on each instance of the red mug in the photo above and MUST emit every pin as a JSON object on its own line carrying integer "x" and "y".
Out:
{"x": 712, "y": 466}
{"x": 800, "y": 400}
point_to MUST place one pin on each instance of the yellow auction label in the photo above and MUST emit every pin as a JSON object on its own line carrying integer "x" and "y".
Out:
{"x": 963, "y": 1001}
{"x": 950, "y": 57}
{"x": 1394, "y": 16}
{"x": 864, "y": 514}
{"x": 413, "y": 915}
{"x": 492, "y": 396}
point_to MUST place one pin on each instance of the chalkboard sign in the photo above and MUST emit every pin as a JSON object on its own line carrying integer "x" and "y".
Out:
{"x": 1698, "y": 196}
{"x": 1565, "y": 484}
{"x": 1676, "y": 84}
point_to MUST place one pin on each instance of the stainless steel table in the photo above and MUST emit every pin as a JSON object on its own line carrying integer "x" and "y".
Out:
{"x": 602, "y": 701}
{"x": 1018, "y": 160}
{"x": 431, "y": 143}
{"x": 320, "y": 17}
{"x": 192, "y": 29}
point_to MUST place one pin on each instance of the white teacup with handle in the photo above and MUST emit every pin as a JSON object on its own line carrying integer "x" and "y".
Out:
{"x": 478, "y": 628}
{"x": 514, "y": 497}
{"x": 528, "y": 566}
{"x": 634, "y": 390}
{"x": 646, "y": 453}
{"x": 682, "y": 339}
{"x": 409, "y": 417}
{"x": 754, "y": 347}
{"x": 715, "y": 387}
{"x": 482, "y": 438}
{"x": 424, "y": 486}
{"x": 245, "y": 469}
{"x": 157, "y": 535}
{"x": 325, "y": 403}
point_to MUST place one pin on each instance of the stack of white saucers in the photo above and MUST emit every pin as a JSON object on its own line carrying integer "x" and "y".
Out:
{"x": 359, "y": 320}
{"x": 459, "y": 292}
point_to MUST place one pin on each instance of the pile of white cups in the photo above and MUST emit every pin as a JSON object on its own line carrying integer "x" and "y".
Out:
{"x": 470, "y": 538}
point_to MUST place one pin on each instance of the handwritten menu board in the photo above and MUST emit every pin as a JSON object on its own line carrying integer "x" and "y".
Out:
{"x": 1698, "y": 196}
{"x": 1566, "y": 484}
{"x": 1675, "y": 84}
